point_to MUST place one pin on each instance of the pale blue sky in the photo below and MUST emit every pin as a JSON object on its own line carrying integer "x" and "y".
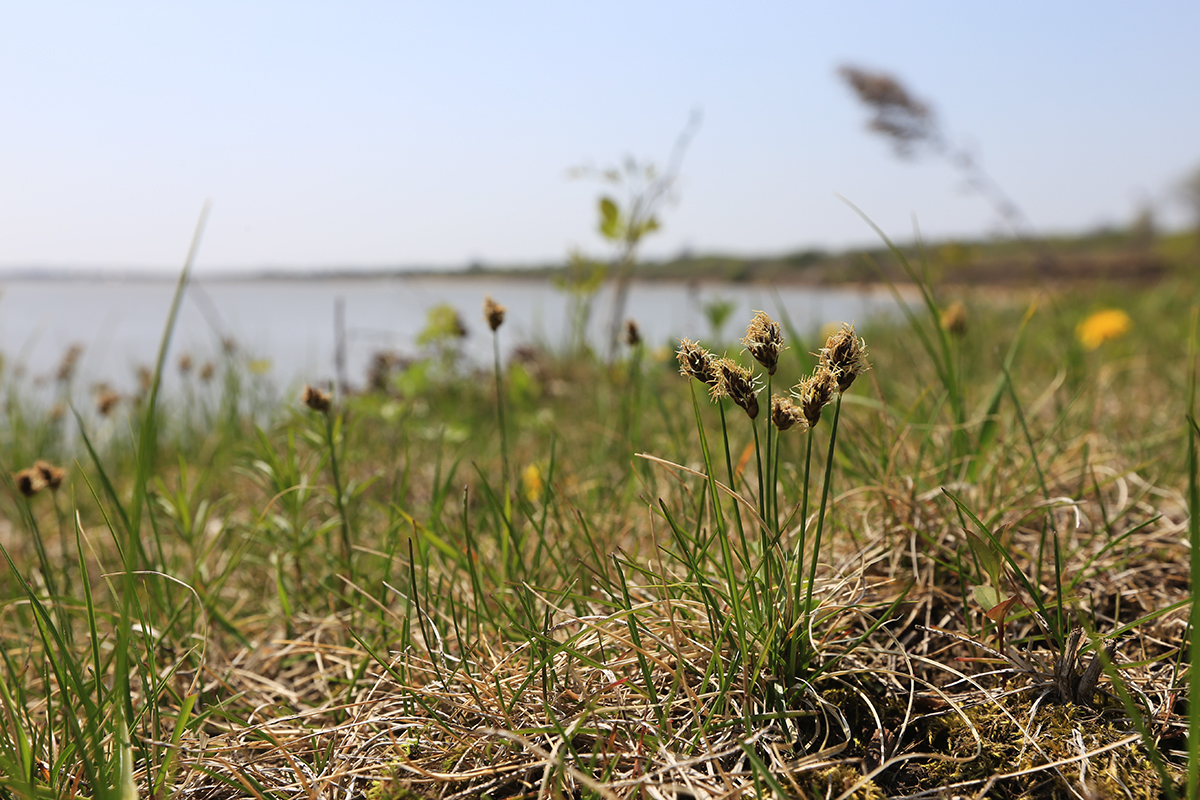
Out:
{"x": 382, "y": 134}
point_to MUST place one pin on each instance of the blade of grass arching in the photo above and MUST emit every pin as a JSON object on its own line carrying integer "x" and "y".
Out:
{"x": 1003, "y": 551}
{"x": 148, "y": 436}
{"x": 991, "y": 423}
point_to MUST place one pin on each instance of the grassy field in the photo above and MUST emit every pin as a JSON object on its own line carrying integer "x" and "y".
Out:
{"x": 967, "y": 574}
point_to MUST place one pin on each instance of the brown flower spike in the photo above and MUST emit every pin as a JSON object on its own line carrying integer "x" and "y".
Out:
{"x": 764, "y": 341}
{"x": 738, "y": 383}
{"x": 493, "y": 312}
{"x": 633, "y": 337}
{"x": 51, "y": 475}
{"x": 814, "y": 393}
{"x": 785, "y": 414}
{"x": 29, "y": 482}
{"x": 845, "y": 356}
{"x": 696, "y": 362}
{"x": 316, "y": 399}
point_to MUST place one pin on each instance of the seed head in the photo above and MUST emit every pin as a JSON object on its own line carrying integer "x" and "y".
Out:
{"x": 764, "y": 341}
{"x": 316, "y": 399}
{"x": 845, "y": 356}
{"x": 29, "y": 482}
{"x": 785, "y": 414}
{"x": 493, "y": 312}
{"x": 633, "y": 337}
{"x": 207, "y": 371}
{"x": 70, "y": 360}
{"x": 185, "y": 364}
{"x": 50, "y": 474}
{"x": 145, "y": 377}
{"x": 696, "y": 362}
{"x": 106, "y": 400}
{"x": 738, "y": 383}
{"x": 814, "y": 393}
{"x": 954, "y": 319}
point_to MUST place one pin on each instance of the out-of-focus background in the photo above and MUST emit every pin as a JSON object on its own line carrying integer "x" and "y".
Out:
{"x": 383, "y": 138}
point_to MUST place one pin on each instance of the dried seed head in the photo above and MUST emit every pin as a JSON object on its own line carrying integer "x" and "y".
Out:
{"x": 207, "y": 371}
{"x": 185, "y": 364}
{"x": 50, "y": 474}
{"x": 696, "y": 362}
{"x": 845, "y": 356}
{"x": 785, "y": 414}
{"x": 898, "y": 115}
{"x": 738, "y": 383}
{"x": 106, "y": 400}
{"x": 29, "y": 482}
{"x": 70, "y": 360}
{"x": 814, "y": 393}
{"x": 493, "y": 312}
{"x": 633, "y": 337}
{"x": 315, "y": 399}
{"x": 954, "y": 319}
{"x": 764, "y": 341}
{"x": 145, "y": 379}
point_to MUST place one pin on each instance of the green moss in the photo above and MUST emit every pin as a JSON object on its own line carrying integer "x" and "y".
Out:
{"x": 1053, "y": 734}
{"x": 835, "y": 780}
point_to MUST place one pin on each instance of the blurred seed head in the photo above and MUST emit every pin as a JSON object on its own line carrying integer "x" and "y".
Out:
{"x": 315, "y": 399}
{"x": 70, "y": 360}
{"x": 493, "y": 312}
{"x": 737, "y": 383}
{"x": 185, "y": 364}
{"x": 954, "y": 319}
{"x": 207, "y": 370}
{"x": 814, "y": 393}
{"x": 696, "y": 362}
{"x": 633, "y": 337}
{"x": 897, "y": 115}
{"x": 145, "y": 377}
{"x": 845, "y": 356}
{"x": 764, "y": 341}
{"x": 29, "y": 482}
{"x": 106, "y": 399}
{"x": 51, "y": 475}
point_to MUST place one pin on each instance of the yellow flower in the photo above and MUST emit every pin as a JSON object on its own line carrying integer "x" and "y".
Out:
{"x": 531, "y": 482}
{"x": 1098, "y": 328}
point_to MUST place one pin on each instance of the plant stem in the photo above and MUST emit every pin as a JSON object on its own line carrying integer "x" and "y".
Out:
{"x": 812, "y": 568}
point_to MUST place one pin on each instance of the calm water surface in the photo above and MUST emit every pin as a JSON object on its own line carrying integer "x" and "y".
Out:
{"x": 289, "y": 324}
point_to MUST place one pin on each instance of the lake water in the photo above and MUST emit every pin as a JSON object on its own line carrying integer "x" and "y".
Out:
{"x": 289, "y": 324}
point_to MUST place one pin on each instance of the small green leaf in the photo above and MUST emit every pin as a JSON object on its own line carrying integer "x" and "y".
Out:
{"x": 989, "y": 559}
{"x": 987, "y": 596}
{"x": 610, "y": 218}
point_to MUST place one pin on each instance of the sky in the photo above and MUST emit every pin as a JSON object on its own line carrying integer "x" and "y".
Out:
{"x": 382, "y": 135}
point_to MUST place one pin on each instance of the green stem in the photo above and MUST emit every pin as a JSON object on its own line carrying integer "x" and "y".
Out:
{"x": 347, "y": 541}
{"x": 500, "y": 418}
{"x": 812, "y": 568}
